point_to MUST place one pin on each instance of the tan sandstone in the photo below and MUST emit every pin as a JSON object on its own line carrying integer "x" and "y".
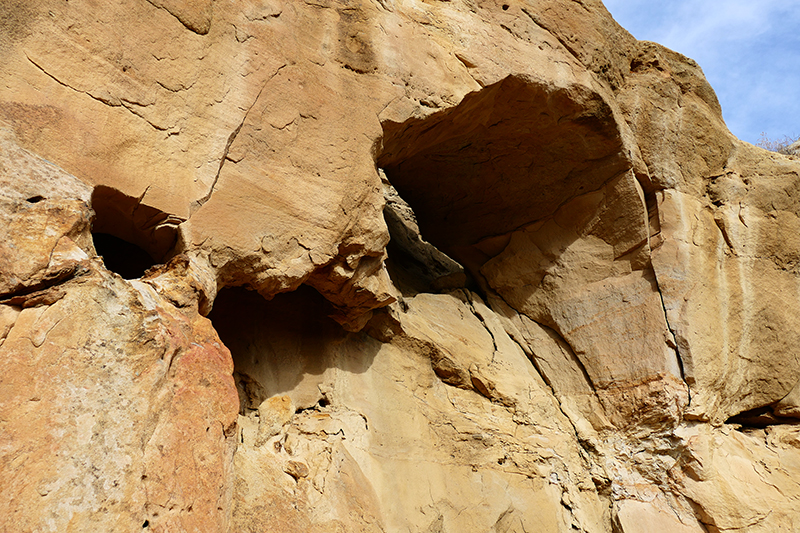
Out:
{"x": 415, "y": 266}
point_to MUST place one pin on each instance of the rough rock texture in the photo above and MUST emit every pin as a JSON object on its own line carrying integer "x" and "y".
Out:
{"x": 385, "y": 265}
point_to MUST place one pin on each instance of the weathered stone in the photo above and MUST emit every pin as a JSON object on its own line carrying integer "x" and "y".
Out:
{"x": 616, "y": 352}
{"x": 391, "y": 424}
{"x": 588, "y": 280}
{"x": 649, "y": 517}
{"x": 117, "y": 408}
{"x": 741, "y": 480}
{"x": 120, "y": 421}
{"x": 726, "y": 275}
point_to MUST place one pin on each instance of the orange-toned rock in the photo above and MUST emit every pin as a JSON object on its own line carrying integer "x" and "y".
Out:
{"x": 467, "y": 266}
{"x": 118, "y": 409}
{"x": 117, "y": 412}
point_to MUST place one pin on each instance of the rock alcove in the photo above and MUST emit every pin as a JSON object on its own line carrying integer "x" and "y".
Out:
{"x": 130, "y": 236}
{"x": 278, "y": 346}
{"x": 528, "y": 186}
{"x": 506, "y": 156}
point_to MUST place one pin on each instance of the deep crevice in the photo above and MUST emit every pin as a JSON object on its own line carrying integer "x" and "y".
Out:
{"x": 479, "y": 316}
{"x": 653, "y": 216}
{"x": 674, "y": 346}
{"x": 760, "y": 418}
{"x": 587, "y": 446}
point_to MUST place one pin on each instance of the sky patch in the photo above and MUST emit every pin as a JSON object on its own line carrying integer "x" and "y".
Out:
{"x": 748, "y": 50}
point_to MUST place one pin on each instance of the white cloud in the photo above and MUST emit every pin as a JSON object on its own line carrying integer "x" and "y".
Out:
{"x": 716, "y": 21}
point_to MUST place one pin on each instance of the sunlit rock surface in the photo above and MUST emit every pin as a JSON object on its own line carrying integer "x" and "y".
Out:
{"x": 385, "y": 266}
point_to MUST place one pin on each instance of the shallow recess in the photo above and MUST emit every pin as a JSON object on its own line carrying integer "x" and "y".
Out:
{"x": 278, "y": 346}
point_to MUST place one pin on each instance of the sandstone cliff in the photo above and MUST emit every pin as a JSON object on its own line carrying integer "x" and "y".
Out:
{"x": 385, "y": 266}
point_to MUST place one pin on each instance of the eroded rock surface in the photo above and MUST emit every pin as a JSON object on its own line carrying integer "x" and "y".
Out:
{"x": 399, "y": 266}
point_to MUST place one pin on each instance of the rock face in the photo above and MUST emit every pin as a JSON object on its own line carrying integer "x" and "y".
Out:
{"x": 385, "y": 266}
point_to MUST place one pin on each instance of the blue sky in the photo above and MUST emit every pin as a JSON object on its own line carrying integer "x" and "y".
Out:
{"x": 749, "y": 50}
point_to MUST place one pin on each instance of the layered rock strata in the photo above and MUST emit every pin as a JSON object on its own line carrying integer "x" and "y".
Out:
{"x": 385, "y": 266}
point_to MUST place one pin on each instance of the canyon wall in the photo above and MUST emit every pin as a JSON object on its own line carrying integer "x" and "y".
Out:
{"x": 385, "y": 266}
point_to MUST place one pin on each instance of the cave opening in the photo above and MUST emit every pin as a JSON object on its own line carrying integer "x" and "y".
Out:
{"x": 529, "y": 185}
{"x": 121, "y": 256}
{"x": 508, "y": 155}
{"x": 130, "y": 236}
{"x": 414, "y": 264}
{"x": 278, "y": 346}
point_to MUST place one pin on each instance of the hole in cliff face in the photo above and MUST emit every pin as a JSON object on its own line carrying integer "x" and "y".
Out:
{"x": 122, "y": 257}
{"x": 130, "y": 236}
{"x": 278, "y": 346}
{"x": 506, "y": 156}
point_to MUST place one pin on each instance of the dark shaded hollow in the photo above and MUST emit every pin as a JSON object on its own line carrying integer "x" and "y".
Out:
{"x": 413, "y": 264}
{"x": 122, "y": 257}
{"x": 129, "y": 235}
{"x": 275, "y": 343}
{"x": 407, "y": 273}
{"x": 506, "y": 156}
{"x": 760, "y": 417}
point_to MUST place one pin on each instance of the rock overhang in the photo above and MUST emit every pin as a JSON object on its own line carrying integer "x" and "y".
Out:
{"x": 505, "y": 156}
{"x": 683, "y": 222}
